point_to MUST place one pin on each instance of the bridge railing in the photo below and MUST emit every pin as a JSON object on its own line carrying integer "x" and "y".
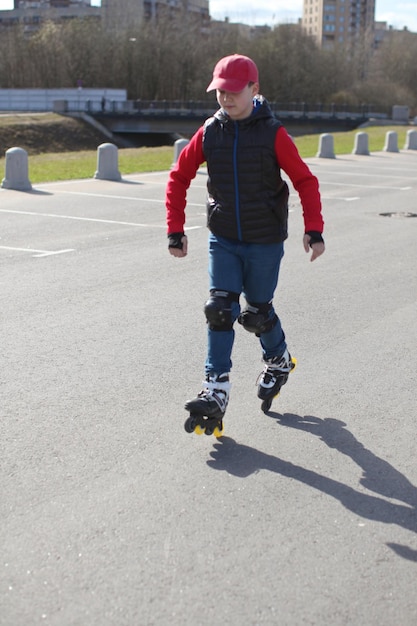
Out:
{"x": 205, "y": 108}
{"x": 177, "y": 108}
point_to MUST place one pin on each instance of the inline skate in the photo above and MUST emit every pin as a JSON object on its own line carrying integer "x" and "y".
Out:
{"x": 273, "y": 377}
{"x": 208, "y": 408}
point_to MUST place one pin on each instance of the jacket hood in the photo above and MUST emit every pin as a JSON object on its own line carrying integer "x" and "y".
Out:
{"x": 261, "y": 109}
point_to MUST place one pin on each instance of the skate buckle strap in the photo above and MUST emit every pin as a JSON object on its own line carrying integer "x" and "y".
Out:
{"x": 268, "y": 379}
{"x": 283, "y": 364}
{"x": 275, "y": 369}
{"x": 219, "y": 392}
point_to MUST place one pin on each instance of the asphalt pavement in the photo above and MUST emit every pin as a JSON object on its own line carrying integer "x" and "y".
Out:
{"x": 111, "y": 514}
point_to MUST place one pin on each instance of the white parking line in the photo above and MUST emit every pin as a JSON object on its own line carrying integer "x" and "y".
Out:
{"x": 344, "y": 198}
{"x": 39, "y": 253}
{"x": 82, "y": 219}
{"x": 112, "y": 197}
{"x": 350, "y": 199}
{"x": 90, "y": 219}
{"x": 364, "y": 185}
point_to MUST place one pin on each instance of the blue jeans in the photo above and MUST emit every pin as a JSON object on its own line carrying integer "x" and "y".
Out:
{"x": 251, "y": 269}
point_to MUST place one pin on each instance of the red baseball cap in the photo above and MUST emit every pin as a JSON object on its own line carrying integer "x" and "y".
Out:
{"x": 233, "y": 73}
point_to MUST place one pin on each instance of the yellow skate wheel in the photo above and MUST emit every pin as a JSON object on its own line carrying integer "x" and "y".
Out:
{"x": 294, "y": 363}
{"x": 217, "y": 432}
{"x": 199, "y": 430}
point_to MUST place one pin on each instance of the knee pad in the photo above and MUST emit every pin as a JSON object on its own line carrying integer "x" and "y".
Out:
{"x": 256, "y": 318}
{"x": 218, "y": 309}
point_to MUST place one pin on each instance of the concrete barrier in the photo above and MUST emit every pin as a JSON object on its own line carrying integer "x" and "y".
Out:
{"x": 391, "y": 141}
{"x": 361, "y": 145}
{"x": 179, "y": 146}
{"x": 107, "y": 162}
{"x": 400, "y": 113}
{"x": 411, "y": 140}
{"x": 326, "y": 147}
{"x": 16, "y": 170}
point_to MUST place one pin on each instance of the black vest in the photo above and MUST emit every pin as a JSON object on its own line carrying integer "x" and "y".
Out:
{"x": 247, "y": 198}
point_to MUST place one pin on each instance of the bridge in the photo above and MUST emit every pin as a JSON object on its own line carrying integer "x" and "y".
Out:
{"x": 173, "y": 118}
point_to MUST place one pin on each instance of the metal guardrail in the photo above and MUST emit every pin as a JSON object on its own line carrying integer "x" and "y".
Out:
{"x": 301, "y": 108}
{"x": 202, "y": 109}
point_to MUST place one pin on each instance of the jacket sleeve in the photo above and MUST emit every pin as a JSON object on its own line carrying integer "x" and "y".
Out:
{"x": 180, "y": 177}
{"x": 304, "y": 182}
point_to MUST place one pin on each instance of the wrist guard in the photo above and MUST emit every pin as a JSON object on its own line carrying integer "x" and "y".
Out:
{"x": 315, "y": 237}
{"x": 174, "y": 240}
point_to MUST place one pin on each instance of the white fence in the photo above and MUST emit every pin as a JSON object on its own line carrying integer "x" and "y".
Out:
{"x": 62, "y": 99}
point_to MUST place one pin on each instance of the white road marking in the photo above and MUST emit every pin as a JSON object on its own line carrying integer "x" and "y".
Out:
{"x": 82, "y": 219}
{"x": 349, "y": 199}
{"x": 345, "y": 199}
{"x": 110, "y": 196}
{"x": 38, "y": 253}
{"x": 43, "y": 254}
{"x": 364, "y": 185}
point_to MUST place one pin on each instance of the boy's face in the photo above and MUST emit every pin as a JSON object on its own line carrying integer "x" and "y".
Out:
{"x": 238, "y": 105}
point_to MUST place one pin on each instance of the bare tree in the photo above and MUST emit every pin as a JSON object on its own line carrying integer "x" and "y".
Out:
{"x": 172, "y": 57}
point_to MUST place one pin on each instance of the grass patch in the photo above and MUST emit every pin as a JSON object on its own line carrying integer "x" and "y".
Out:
{"x": 77, "y": 165}
{"x": 26, "y": 119}
{"x": 51, "y": 167}
{"x": 344, "y": 142}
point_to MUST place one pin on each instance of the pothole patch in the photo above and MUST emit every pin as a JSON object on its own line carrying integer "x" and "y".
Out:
{"x": 399, "y": 214}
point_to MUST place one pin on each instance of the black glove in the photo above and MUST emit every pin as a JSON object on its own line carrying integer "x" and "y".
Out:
{"x": 315, "y": 237}
{"x": 175, "y": 240}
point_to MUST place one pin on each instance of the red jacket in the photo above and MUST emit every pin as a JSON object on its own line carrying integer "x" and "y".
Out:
{"x": 288, "y": 158}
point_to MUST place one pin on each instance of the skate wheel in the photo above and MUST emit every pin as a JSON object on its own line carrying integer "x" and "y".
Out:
{"x": 266, "y": 405}
{"x": 199, "y": 430}
{"x": 209, "y": 430}
{"x": 218, "y": 432}
{"x": 190, "y": 424}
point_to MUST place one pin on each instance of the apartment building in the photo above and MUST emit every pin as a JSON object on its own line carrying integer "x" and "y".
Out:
{"x": 123, "y": 13}
{"x": 116, "y": 14}
{"x": 36, "y": 4}
{"x": 32, "y": 13}
{"x": 338, "y": 22}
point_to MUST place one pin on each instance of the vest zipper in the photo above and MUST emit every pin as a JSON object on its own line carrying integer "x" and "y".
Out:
{"x": 236, "y": 181}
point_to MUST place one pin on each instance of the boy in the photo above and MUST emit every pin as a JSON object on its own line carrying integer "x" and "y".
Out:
{"x": 245, "y": 147}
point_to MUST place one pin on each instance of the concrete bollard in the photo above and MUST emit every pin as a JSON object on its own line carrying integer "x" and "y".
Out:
{"x": 411, "y": 140}
{"x": 179, "y": 146}
{"x": 326, "y": 147}
{"x": 16, "y": 170}
{"x": 107, "y": 162}
{"x": 391, "y": 141}
{"x": 361, "y": 144}
{"x": 400, "y": 113}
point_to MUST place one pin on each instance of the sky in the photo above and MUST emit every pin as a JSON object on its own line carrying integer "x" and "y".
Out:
{"x": 398, "y": 13}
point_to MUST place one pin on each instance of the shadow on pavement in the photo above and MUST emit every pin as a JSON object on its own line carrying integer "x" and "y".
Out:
{"x": 33, "y": 192}
{"x": 378, "y": 475}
